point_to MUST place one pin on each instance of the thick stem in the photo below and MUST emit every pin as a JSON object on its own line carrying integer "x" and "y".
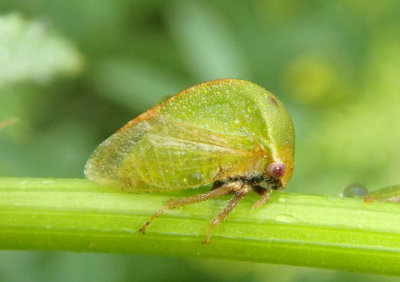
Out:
{"x": 308, "y": 230}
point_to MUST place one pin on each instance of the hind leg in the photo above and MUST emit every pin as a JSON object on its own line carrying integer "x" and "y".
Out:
{"x": 222, "y": 190}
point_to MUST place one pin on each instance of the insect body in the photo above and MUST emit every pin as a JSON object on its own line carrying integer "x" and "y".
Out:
{"x": 229, "y": 133}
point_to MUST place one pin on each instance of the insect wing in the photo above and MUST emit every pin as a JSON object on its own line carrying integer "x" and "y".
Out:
{"x": 165, "y": 154}
{"x": 104, "y": 164}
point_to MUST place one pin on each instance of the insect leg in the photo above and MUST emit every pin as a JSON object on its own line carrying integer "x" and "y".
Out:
{"x": 265, "y": 195}
{"x": 244, "y": 190}
{"x": 223, "y": 190}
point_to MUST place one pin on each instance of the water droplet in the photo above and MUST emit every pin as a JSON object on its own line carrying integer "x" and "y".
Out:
{"x": 236, "y": 121}
{"x": 130, "y": 231}
{"x": 282, "y": 200}
{"x": 354, "y": 191}
{"x": 285, "y": 218}
{"x": 197, "y": 176}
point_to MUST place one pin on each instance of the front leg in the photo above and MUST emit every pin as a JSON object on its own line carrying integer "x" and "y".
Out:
{"x": 239, "y": 194}
{"x": 265, "y": 196}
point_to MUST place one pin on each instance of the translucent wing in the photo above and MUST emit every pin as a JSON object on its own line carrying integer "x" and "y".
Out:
{"x": 166, "y": 154}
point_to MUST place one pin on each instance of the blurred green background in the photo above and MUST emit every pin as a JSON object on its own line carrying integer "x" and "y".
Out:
{"x": 73, "y": 72}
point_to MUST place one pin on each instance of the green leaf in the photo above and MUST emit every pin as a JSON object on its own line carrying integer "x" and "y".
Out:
{"x": 29, "y": 51}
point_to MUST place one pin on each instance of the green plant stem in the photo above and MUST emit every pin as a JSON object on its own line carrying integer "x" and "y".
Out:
{"x": 307, "y": 230}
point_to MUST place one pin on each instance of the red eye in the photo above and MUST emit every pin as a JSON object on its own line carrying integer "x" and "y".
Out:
{"x": 276, "y": 170}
